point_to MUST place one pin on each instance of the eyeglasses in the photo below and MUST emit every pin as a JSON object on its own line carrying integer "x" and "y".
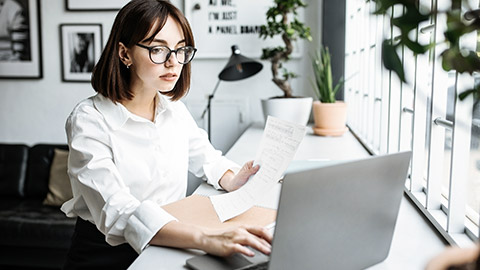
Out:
{"x": 160, "y": 54}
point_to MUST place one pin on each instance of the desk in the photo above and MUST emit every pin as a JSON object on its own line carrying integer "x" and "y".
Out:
{"x": 414, "y": 240}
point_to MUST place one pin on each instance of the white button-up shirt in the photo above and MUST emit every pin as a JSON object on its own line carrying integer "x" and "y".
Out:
{"x": 123, "y": 167}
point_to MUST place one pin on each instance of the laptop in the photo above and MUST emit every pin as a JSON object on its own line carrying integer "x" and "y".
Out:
{"x": 340, "y": 216}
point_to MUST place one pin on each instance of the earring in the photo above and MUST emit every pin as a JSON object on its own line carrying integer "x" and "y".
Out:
{"x": 124, "y": 62}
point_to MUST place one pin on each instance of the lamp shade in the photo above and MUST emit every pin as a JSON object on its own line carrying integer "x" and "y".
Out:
{"x": 239, "y": 67}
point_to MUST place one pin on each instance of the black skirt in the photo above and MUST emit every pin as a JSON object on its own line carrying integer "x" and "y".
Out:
{"x": 90, "y": 251}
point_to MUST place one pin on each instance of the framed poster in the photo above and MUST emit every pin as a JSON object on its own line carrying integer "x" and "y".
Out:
{"x": 20, "y": 51}
{"x": 93, "y": 5}
{"x": 219, "y": 24}
{"x": 81, "y": 46}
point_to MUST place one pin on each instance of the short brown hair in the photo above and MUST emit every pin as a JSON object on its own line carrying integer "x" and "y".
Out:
{"x": 133, "y": 22}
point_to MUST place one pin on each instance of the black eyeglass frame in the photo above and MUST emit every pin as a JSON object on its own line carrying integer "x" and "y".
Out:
{"x": 170, "y": 51}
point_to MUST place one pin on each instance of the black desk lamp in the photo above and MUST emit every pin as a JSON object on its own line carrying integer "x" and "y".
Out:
{"x": 238, "y": 67}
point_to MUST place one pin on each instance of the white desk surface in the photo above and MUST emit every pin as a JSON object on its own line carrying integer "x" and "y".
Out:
{"x": 414, "y": 241}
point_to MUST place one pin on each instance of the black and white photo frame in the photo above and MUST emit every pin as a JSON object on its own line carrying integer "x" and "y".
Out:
{"x": 20, "y": 40}
{"x": 94, "y": 5}
{"x": 81, "y": 46}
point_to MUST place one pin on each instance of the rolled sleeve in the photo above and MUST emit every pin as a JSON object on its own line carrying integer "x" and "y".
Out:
{"x": 215, "y": 171}
{"x": 144, "y": 223}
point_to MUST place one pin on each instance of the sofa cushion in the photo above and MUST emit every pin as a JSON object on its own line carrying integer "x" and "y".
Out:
{"x": 59, "y": 188}
{"x": 13, "y": 164}
{"x": 40, "y": 158}
{"x": 29, "y": 223}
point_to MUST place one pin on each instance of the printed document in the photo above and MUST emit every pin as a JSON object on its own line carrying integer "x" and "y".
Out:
{"x": 280, "y": 141}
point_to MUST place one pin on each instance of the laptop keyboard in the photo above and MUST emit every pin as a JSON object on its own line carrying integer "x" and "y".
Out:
{"x": 260, "y": 266}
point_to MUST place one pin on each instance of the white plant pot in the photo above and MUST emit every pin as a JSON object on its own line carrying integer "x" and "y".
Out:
{"x": 296, "y": 110}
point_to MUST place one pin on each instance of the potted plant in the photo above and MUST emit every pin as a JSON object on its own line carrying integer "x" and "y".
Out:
{"x": 282, "y": 21}
{"x": 329, "y": 114}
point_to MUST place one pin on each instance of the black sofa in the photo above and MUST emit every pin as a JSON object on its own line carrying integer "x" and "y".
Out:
{"x": 31, "y": 234}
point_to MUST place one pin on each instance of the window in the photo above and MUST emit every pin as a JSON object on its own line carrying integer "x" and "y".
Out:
{"x": 423, "y": 115}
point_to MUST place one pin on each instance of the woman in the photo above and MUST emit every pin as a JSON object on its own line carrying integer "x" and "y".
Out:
{"x": 132, "y": 144}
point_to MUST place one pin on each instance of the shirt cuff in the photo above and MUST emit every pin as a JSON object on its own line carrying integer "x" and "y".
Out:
{"x": 144, "y": 223}
{"x": 215, "y": 171}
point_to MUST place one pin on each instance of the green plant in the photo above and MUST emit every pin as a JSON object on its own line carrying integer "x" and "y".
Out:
{"x": 322, "y": 69}
{"x": 282, "y": 20}
{"x": 454, "y": 57}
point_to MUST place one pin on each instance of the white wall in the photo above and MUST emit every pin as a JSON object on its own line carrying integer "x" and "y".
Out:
{"x": 34, "y": 111}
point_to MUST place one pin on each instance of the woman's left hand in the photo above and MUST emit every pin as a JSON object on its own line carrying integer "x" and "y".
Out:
{"x": 231, "y": 181}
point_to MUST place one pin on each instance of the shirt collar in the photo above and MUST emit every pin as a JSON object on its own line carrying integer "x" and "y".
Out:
{"x": 162, "y": 104}
{"x": 116, "y": 115}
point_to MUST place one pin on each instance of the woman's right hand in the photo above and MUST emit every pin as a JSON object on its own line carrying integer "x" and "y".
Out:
{"x": 228, "y": 242}
{"x": 223, "y": 242}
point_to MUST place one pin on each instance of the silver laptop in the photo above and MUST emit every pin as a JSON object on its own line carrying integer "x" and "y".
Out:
{"x": 341, "y": 216}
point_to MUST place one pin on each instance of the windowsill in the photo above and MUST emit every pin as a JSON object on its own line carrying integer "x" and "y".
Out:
{"x": 438, "y": 220}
